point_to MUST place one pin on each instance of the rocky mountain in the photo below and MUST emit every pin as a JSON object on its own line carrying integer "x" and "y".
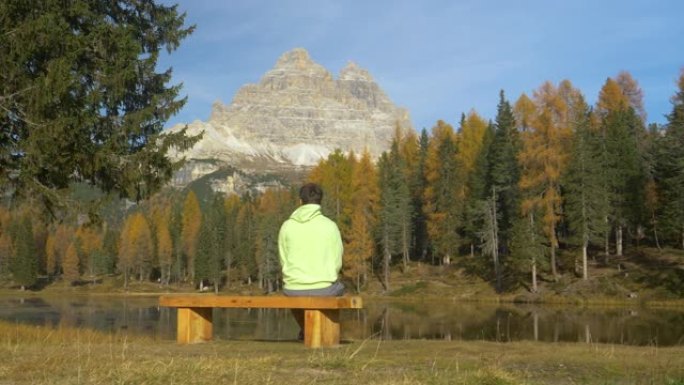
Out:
{"x": 295, "y": 115}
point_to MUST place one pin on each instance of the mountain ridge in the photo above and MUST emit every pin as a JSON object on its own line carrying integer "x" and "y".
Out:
{"x": 295, "y": 115}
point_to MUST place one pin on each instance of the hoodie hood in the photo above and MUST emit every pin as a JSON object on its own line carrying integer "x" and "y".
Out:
{"x": 306, "y": 213}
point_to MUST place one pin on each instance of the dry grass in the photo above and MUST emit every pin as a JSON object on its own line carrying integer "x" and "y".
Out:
{"x": 35, "y": 355}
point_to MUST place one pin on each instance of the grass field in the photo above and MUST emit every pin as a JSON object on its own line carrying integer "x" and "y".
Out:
{"x": 37, "y": 355}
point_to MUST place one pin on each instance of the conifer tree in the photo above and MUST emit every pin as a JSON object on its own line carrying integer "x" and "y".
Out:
{"x": 360, "y": 244}
{"x": 585, "y": 200}
{"x": 504, "y": 171}
{"x": 82, "y": 98}
{"x": 623, "y": 163}
{"x": 474, "y": 139}
{"x": 334, "y": 174}
{"x": 442, "y": 183}
{"x": 670, "y": 167}
{"x": 245, "y": 239}
{"x": 24, "y": 266}
{"x": 191, "y": 222}
{"x": 394, "y": 208}
{"x": 70, "y": 263}
{"x": 543, "y": 158}
{"x": 273, "y": 208}
{"x": 136, "y": 247}
{"x": 210, "y": 245}
{"x": 232, "y": 208}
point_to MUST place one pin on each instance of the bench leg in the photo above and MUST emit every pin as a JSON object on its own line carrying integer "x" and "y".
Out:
{"x": 321, "y": 328}
{"x": 194, "y": 325}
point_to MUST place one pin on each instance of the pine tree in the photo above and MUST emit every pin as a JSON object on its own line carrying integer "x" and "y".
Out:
{"x": 543, "y": 158}
{"x": 136, "y": 247}
{"x": 394, "y": 207}
{"x": 82, "y": 97}
{"x": 24, "y": 266}
{"x": 670, "y": 167}
{"x": 360, "y": 246}
{"x": 273, "y": 208}
{"x": 334, "y": 176}
{"x": 474, "y": 141}
{"x": 504, "y": 171}
{"x": 623, "y": 163}
{"x": 210, "y": 246}
{"x": 70, "y": 263}
{"x": 246, "y": 239}
{"x": 232, "y": 208}
{"x": 191, "y": 222}
{"x": 442, "y": 210}
{"x": 585, "y": 200}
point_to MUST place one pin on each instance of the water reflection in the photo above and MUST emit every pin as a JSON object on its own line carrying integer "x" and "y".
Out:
{"x": 385, "y": 320}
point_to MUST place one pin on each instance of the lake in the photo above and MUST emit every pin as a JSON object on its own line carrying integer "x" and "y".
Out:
{"x": 445, "y": 320}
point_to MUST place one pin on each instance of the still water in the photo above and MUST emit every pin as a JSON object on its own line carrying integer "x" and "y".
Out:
{"x": 384, "y": 320}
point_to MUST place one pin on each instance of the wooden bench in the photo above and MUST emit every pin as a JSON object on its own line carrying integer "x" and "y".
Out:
{"x": 321, "y": 314}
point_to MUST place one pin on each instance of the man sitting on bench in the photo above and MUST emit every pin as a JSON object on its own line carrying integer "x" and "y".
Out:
{"x": 310, "y": 249}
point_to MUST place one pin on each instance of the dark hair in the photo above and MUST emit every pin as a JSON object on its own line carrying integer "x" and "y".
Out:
{"x": 311, "y": 193}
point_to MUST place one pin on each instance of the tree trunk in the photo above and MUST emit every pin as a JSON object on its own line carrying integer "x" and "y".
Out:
{"x": 554, "y": 270}
{"x": 386, "y": 260}
{"x": 606, "y": 244}
{"x": 405, "y": 246}
{"x": 585, "y": 274}
{"x": 618, "y": 241}
{"x": 534, "y": 276}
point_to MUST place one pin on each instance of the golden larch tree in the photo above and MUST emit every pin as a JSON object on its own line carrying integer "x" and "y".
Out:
{"x": 191, "y": 224}
{"x": 359, "y": 244}
{"x": 441, "y": 206}
{"x": 543, "y": 158}
{"x": 136, "y": 246}
{"x": 70, "y": 263}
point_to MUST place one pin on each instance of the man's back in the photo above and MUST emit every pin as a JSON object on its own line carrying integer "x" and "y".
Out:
{"x": 310, "y": 248}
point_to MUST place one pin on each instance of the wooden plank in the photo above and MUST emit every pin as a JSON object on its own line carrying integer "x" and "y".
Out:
{"x": 321, "y": 328}
{"x": 194, "y": 325}
{"x": 277, "y": 302}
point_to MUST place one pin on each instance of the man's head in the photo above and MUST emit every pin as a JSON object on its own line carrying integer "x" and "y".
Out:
{"x": 311, "y": 193}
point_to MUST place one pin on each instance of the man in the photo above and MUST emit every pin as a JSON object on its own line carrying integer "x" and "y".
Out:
{"x": 310, "y": 248}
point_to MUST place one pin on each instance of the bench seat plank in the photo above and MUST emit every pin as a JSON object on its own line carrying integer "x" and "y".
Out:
{"x": 272, "y": 302}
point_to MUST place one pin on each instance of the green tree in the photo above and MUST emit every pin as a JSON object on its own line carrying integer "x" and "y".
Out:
{"x": 394, "y": 212}
{"x": 211, "y": 245}
{"x": 24, "y": 266}
{"x": 191, "y": 222}
{"x": 543, "y": 158}
{"x": 583, "y": 187}
{"x": 623, "y": 162}
{"x": 81, "y": 99}
{"x": 360, "y": 246}
{"x": 504, "y": 171}
{"x": 670, "y": 167}
{"x": 442, "y": 210}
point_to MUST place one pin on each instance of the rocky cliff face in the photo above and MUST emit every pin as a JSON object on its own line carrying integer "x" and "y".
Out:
{"x": 297, "y": 114}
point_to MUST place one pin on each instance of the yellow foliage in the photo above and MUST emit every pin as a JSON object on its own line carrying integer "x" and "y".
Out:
{"x": 136, "y": 247}
{"x": 545, "y": 153}
{"x": 191, "y": 223}
{"x": 611, "y": 97}
{"x": 70, "y": 264}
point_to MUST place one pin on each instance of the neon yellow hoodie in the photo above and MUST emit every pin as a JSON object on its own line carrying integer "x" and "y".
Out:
{"x": 310, "y": 248}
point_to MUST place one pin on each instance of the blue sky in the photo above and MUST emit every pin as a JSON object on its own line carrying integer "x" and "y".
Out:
{"x": 438, "y": 59}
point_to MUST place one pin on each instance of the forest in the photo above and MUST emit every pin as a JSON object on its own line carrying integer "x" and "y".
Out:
{"x": 549, "y": 185}
{"x": 550, "y": 173}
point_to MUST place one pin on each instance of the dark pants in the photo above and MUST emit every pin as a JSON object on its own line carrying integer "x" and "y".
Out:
{"x": 334, "y": 290}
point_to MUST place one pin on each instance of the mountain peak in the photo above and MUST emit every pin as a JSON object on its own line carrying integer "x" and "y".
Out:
{"x": 298, "y": 114}
{"x": 296, "y": 58}
{"x": 353, "y": 72}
